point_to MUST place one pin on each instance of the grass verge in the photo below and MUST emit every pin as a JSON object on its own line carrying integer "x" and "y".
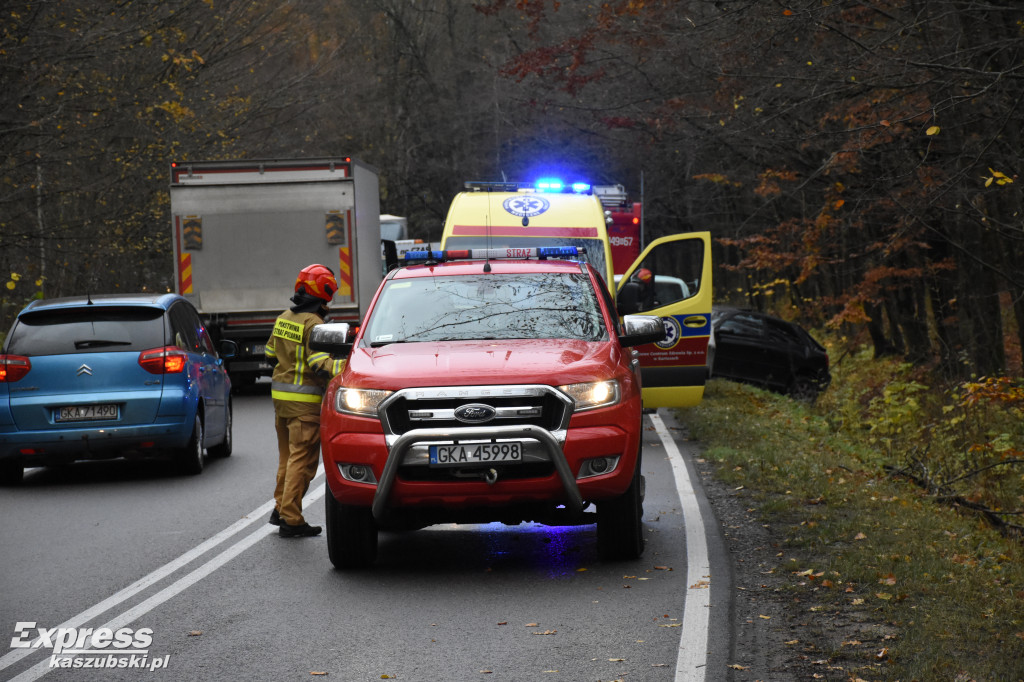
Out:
{"x": 940, "y": 587}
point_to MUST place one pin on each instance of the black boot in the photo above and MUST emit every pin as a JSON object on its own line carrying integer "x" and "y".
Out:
{"x": 275, "y": 518}
{"x": 304, "y": 530}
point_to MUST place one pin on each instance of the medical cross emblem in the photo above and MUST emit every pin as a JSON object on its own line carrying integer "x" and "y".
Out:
{"x": 526, "y": 206}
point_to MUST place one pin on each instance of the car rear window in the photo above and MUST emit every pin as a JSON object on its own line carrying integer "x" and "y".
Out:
{"x": 93, "y": 330}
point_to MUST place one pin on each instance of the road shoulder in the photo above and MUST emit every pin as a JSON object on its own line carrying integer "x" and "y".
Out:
{"x": 762, "y": 628}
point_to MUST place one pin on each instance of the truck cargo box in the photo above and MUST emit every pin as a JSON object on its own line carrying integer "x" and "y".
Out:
{"x": 243, "y": 229}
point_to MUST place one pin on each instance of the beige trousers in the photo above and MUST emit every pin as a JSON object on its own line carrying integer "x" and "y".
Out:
{"x": 298, "y": 448}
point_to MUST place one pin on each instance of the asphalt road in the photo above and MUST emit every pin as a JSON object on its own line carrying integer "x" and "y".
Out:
{"x": 187, "y": 576}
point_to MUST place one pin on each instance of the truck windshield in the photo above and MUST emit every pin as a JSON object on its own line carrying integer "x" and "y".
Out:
{"x": 594, "y": 247}
{"x": 486, "y": 306}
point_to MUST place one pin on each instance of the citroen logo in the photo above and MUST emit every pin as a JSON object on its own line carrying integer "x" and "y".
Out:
{"x": 84, "y": 369}
{"x": 475, "y": 413}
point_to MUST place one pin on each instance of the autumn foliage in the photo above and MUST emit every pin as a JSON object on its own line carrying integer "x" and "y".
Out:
{"x": 858, "y": 164}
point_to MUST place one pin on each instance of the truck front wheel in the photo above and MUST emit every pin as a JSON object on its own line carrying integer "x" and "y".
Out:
{"x": 351, "y": 534}
{"x": 620, "y": 522}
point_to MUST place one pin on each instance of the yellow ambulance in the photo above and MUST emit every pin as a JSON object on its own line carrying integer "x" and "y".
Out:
{"x": 670, "y": 279}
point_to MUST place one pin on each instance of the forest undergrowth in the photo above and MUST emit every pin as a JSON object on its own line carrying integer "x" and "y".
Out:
{"x": 899, "y": 502}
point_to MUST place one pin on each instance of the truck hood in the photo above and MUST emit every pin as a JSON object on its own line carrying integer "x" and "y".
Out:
{"x": 461, "y": 363}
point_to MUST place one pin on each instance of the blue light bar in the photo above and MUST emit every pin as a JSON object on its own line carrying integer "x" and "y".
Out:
{"x": 556, "y": 186}
{"x": 539, "y": 252}
{"x": 558, "y": 251}
{"x": 424, "y": 255}
{"x": 550, "y": 185}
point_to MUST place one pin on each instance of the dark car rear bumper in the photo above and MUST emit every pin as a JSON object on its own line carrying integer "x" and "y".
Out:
{"x": 40, "y": 448}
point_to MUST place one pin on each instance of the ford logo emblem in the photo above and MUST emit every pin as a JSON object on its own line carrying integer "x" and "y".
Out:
{"x": 475, "y": 413}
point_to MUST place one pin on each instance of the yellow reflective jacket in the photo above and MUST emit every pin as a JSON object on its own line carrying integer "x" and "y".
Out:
{"x": 300, "y": 374}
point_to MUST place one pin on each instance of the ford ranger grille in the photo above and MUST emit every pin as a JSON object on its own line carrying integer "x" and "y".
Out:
{"x": 470, "y": 406}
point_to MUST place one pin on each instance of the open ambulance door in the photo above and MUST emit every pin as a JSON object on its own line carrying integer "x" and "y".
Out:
{"x": 672, "y": 279}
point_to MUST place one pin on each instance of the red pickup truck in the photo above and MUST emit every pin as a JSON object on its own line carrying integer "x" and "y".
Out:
{"x": 486, "y": 385}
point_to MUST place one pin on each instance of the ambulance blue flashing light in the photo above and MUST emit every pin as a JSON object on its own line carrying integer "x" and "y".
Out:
{"x": 542, "y": 186}
{"x": 549, "y": 185}
{"x": 554, "y": 185}
{"x": 538, "y": 252}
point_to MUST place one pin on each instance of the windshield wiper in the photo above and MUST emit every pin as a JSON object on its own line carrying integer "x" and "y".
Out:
{"x": 96, "y": 343}
{"x": 378, "y": 344}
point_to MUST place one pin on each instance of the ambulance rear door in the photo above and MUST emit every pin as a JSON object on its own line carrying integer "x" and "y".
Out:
{"x": 672, "y": 279}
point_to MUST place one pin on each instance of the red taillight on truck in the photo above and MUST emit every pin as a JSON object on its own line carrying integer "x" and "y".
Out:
{"x": 166, "y": 360}
{"x": 13, "y": 367}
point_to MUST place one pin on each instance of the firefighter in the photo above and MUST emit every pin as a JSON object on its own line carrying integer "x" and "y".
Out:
{"x": 299, "y": 379}
{"x": 646, "y": 280}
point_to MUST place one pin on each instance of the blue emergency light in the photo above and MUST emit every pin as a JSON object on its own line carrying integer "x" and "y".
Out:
{"x": 549, "y": 185}
{"x": 555, "y": 185}
{"x": 544, "y": 186}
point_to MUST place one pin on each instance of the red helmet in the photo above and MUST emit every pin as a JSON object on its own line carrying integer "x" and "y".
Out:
{"x": 317, "y": 280}
{"x": 644, "y": 275}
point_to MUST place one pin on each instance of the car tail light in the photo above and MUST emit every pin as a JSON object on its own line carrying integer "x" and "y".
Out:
{"x": 166, "y": 360}
{"x": 13, "y": 367}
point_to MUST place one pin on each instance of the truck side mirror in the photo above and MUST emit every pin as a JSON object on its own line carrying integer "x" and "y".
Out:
{"x": 390, "y": 254}
{"x": 332, "y": 337}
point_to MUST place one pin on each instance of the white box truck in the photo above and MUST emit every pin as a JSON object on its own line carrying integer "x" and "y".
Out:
{"x": 243, "y": 229}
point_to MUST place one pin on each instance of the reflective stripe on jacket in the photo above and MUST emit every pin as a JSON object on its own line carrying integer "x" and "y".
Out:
{"x": 300, "y": 374}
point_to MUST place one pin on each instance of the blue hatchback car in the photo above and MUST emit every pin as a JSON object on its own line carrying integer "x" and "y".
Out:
{"x": 111, "y": 376}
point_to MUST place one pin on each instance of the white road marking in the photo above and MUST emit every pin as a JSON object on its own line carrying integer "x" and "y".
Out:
{"x": 691, "y": 662}
{"x": 256, "y": 516}
{"x": 692, "y": 655}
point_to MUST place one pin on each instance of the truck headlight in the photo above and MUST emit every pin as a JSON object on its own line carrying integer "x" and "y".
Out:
{"x": 592, "y": 395}
{"x": 359, "y": 401}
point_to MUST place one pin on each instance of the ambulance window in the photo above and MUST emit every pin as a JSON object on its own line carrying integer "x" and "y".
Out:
{"x": 669, "y": 273}
{"x": 594, "y": 247}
